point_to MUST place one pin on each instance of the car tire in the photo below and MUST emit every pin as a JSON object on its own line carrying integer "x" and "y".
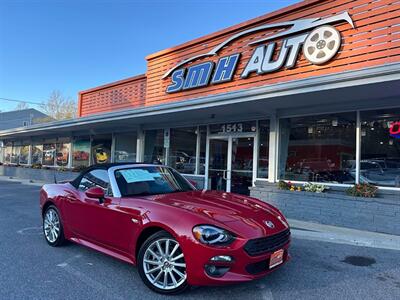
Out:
{"x": 52, "y": 227}
{"x": 162, "y": 252}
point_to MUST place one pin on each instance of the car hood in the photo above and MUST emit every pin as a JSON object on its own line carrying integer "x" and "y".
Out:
{"x": 244, "y": 216}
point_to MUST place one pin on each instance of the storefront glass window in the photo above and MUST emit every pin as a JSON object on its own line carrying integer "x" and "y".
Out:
{"x": 380, "y": 148}
{"x": 101, "y": 149}
{"x": 263, "y": 149}
{"x": 182, "y": 151}
{"x": 24, "y": 155}
{"x": 125, "y": 147}
{"x": 154, "y": 147}
{"x": 37, "y": 153}
{"x": 318, "y": 148}
{"x": 16, "y": 149}
{"x": 8, "y": 153}
{"x": 81, "y": 152}
{"x": 62, "y": 154}
{"x": 49, "y": 153}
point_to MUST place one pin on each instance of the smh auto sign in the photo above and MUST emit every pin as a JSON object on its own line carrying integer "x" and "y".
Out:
{"x": 319, "y": 41}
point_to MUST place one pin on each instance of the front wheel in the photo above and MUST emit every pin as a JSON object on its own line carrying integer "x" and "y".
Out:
{"x": 52, "y": 227}
{"x": 161, "y": 264}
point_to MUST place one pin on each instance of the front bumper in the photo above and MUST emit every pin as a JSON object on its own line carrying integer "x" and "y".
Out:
{"x": 243, "y": 268}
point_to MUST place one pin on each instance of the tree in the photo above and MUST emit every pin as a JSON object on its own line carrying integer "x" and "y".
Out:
{"x": 59, "y": 107}
{"x": 22, "y": 106}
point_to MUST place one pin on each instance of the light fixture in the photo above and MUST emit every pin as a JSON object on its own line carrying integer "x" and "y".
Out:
{"x": 310, "y": 130}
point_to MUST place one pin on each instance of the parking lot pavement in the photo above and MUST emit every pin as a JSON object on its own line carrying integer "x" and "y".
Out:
{"x": 30, "y": 269}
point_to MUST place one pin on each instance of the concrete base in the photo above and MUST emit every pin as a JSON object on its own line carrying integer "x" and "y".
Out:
{"x": 381, "y": 214}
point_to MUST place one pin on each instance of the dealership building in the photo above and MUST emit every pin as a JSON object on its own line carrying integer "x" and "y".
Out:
{"x": 308, "y": 93}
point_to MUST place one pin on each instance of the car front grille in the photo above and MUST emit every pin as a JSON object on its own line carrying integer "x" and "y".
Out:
{"x": 267, "y": 244}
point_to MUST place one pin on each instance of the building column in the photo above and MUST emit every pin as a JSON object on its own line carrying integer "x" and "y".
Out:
{"x": 71, "y": 144}
{"x": 273, "y": 147}
{"x": 30, "y": 154}
{"x": 112, "y": 158}
{"x": 140, "y": 145}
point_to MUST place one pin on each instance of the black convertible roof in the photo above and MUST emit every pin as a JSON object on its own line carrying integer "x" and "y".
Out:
{"x": 106, "y": 166}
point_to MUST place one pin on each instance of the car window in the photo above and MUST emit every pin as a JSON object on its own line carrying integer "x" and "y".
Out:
{"x": 97, "y": 178}
{"x": 150, "y": 180}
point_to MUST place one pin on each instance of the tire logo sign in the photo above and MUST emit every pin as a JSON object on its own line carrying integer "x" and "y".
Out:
{"x": 319, "y": 41}
{"x": 322, "y": 44}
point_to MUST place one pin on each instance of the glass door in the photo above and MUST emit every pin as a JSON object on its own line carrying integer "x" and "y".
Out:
{"x": 218, "y": 164}
{"x": 242, "y": 165}
{"x": 230, "y": 166}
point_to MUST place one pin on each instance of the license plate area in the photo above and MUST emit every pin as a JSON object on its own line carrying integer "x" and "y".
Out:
{"x": 276, "y": 258}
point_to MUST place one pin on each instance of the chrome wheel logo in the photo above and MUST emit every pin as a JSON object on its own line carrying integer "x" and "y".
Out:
{"x": 322, "y": 44}
{"x": 269, "y": 224}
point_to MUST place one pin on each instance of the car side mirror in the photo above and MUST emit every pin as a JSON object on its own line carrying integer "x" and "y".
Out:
{"x": 96, "y": 192}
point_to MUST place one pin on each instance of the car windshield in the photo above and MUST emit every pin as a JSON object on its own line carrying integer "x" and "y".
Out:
{"x": 150, "y": 180}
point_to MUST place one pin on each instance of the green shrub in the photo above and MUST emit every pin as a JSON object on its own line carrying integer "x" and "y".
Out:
{"x": 315, "y": 188}
{"x": 283, "y": 185}
{"x": 362, "y": 190}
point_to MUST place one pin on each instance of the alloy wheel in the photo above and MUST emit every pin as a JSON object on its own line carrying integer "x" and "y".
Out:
{"x": 51, "y": 224}
{"x": 164, "y": 264}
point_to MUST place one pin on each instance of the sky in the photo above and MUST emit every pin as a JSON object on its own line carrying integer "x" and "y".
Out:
{"x": 73, "y": 45}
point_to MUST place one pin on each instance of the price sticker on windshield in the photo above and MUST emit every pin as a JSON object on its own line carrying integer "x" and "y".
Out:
{"x": 138, "y": 175}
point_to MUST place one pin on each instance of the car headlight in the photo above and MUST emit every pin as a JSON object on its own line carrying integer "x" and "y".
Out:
{"x": 211, "y": 235}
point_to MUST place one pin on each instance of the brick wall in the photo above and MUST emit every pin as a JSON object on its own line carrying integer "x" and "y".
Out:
{"x": 123, "y": 94}
{"x": 378, "y": 214}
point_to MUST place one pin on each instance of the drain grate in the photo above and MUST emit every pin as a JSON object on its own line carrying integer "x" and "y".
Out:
{"x": 359, "y": 261}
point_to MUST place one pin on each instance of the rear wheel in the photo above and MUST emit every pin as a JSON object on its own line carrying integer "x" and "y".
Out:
{"x": 161, "y": 264}
{"x": 52, "y": 227}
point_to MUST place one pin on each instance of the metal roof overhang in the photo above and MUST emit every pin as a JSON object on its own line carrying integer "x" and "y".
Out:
{"x": 335, "y": 92}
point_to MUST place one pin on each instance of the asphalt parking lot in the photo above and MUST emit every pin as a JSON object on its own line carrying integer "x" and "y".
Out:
{"x": 30, "y": 269}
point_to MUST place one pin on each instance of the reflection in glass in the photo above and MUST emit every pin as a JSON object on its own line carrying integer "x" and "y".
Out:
{"x": 380, "y": 148}
{"x": 217, "y": 170}
{"x": 318, "y": 148}
{"x": 125, "y": 147}
{"x": 49, "y": 152}
{"x": 182, "y": 151}
{"x": 81, "y": 152}
{"x": 24, "y": 155}
{"x": 8, "y": 153}
{"x": 242, "y": 165}
{"x": 62, "y": 154}
{"x": 15, "y": 154}
{"x": 154, "y": 147}
{"x": 37, "y": 152}
{"x": 101, "y": 149}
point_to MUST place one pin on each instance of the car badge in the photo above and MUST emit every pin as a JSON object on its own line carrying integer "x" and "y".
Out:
{"x": 269, "y": 224}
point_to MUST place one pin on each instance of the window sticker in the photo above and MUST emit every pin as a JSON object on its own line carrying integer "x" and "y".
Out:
{"x": 138, "y": 175}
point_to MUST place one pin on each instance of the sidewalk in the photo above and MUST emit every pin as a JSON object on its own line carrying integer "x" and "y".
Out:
{"x": 22, "y": 181}
{"x": 341, "y": 235}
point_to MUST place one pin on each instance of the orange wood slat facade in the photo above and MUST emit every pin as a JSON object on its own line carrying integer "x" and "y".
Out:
{"x": 375, "y": 40}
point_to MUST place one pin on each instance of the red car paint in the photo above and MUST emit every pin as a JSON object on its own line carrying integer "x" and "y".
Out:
{"x": 114, "y": 226}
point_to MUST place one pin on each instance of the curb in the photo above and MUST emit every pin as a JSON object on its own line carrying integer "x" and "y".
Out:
{"x": 341, "y": 235}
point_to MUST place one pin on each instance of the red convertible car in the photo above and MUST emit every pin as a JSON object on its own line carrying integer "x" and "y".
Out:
{"x": 152, "y": 217}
